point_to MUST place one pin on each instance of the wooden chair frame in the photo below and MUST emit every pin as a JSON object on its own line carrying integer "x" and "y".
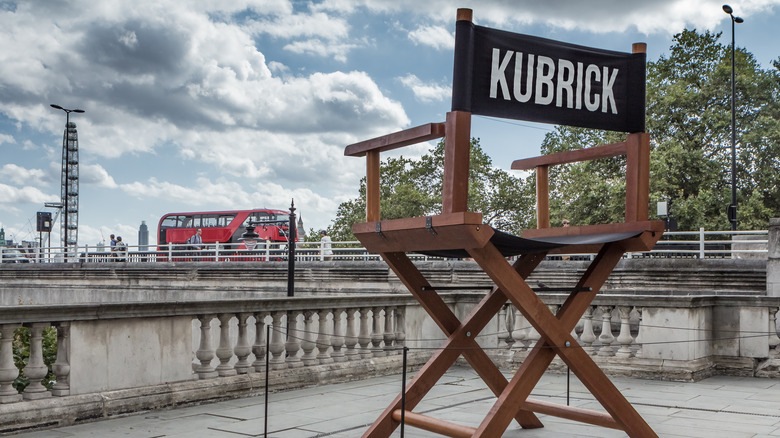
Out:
{"x": 457, "y": 228}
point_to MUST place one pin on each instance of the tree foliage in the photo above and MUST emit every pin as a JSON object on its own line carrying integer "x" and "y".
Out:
{"x": 412, "y": 188}
{"x": 689, "y": 121}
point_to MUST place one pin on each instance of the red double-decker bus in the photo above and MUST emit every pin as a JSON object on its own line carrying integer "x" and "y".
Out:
{"x": 225, "y": 227}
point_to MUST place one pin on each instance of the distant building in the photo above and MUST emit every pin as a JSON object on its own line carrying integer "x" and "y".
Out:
{"x": 2, "y": 237}
{"x": 301, "y": 232}
{"x": 143, "y": 237}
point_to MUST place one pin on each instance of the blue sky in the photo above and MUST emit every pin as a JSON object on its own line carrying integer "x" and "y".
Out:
{"x": 235, "y": 104}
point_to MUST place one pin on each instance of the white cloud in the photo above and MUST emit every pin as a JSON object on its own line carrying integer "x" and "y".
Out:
{"x": 321, "y": 48}
{"x": 598, "y": 16}
{"x": 437, "y": 37}
{"x": 316, "y": 24}
{"x": 5, "y": 138}
{"x": 426, "y": 92}
{"x": 95, "y": 174}
{"x": 24, "y": 195}
{"x": 20, "y": 176}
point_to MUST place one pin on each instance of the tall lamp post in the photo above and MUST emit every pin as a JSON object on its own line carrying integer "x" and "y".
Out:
{"x": 732, "y": 211}
{"x": 69, "y": 190}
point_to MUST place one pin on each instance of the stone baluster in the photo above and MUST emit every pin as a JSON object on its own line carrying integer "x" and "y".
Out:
{"x": 309, "y": 358}
{"x": 8, "y": 370}
{"x": 36, "y": 369}
{"x": 205, "y": 353}
{"x": 400, "y": 328}
{"x": 242, "y": 349}
{"x": 224, "y": 350}
{"x": 337, "y": 340}
{"x": 61, "y": 366}
{"x": 364, "y": 334}
{"x": 554, "y": 308}
{"x": 276, "y": 362}
{"x": 606, "y": 338}
{"x": 351, "y": 339}
{"x": 774, "y": 341}
{"x": 293, "y": 344}
{"x": 389, "y": 333}
{"x": 323, "y": 338}
{"x": 624, "y": 337}
{"x": 588, "y": 337}
{"x": 376, "y": 334}
{"x": 259, "y": 347}
{"x": 533, "y": 337}
{"x": 504, "y": 323}
{"x": 518, "y": 331}
{"x": 639, "y": 330}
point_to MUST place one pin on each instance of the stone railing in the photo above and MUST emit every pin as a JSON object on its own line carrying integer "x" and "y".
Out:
{"x": 670, "y": 337}
{"x": 118, "y": 358}
{"x": 123, "y": 357}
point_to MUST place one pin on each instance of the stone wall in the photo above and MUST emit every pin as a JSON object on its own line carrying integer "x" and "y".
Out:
{"x": 46, "y": 284}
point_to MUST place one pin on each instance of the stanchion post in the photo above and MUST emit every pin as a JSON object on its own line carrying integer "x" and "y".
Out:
{"x": 267, "y": 353}
{"x": 403, "y": 391}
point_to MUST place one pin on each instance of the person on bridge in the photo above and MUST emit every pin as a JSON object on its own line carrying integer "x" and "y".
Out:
{"x": 120, "y": 250}
{"x": 196, "y": 241}
{"x": 113, "y": 245}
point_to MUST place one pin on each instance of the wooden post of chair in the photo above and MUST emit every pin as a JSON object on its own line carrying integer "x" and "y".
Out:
{"x": 637, "y": 168}
{"x": 372, "y": 186}
{"x": 457, "y": 143}
{"x": 542, "y": 197}
{"x": 637, "y": 177}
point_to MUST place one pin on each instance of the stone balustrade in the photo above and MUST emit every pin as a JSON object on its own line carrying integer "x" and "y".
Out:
{"x": 671, "y": 337}
{"x": 138, "y": 338}
{"x": 151, "y": 355}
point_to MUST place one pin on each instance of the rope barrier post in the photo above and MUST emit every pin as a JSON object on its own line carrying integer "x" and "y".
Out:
{"x": 267, "y": 353}
{"x": 403, "y": 391}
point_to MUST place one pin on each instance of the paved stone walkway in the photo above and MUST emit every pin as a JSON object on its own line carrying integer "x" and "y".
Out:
{"x": 728, "y": 407}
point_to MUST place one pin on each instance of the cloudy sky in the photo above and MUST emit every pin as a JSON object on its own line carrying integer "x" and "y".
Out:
{"x": 234, "y": 104}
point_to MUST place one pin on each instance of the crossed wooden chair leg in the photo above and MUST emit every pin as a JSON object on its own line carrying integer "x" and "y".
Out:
{"x": 512, "y": 396}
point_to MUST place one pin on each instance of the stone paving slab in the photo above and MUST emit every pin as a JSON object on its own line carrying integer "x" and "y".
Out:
{"x": 728, "y": 407}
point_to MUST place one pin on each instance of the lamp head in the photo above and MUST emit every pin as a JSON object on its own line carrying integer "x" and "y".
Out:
{"x": 738, "y": 20}
{"x": 57, "y": 107}
{"x": 727, "y": 9}
{"x": 78, "y": 110}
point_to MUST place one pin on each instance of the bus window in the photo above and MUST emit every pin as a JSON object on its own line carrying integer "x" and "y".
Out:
{"x": 188, "y": 221}
{"x": 170, "y": 222}
{"x": 208, "y": 221}
{"x": 262, "y": 216}
{"x": 225, "y": 220}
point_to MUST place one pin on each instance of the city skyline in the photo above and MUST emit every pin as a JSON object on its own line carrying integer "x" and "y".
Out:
{"x": 245, "y": 104}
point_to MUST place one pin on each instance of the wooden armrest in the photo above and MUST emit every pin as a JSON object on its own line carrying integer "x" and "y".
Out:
{"x": 593, "y": 153}
{"x": 407, "y": 137}
{"x": 636, "y": 148}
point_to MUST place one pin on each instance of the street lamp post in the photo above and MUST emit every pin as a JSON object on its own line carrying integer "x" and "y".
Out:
{"x": 66, "y": 177}
{"x": 292, "y": 235}
{"x": 732, "y": 211}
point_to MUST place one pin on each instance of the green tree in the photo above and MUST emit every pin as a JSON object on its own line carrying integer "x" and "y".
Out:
{"x": 689, "y": 118}
{"x": 411, "y": 188}
{"x": 689, "y": 121}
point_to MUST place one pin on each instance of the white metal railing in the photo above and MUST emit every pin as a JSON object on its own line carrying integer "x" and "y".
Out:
{"x": 676, "y": 244}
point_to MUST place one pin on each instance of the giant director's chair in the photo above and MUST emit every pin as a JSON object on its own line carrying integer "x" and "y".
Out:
{"x": 457, "y": 232}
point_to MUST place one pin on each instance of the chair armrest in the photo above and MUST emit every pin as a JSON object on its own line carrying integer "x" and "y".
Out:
{"x": 594, "y": 153}
{"x": 636, "y": 148}
{"x": 399, "y": 139}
